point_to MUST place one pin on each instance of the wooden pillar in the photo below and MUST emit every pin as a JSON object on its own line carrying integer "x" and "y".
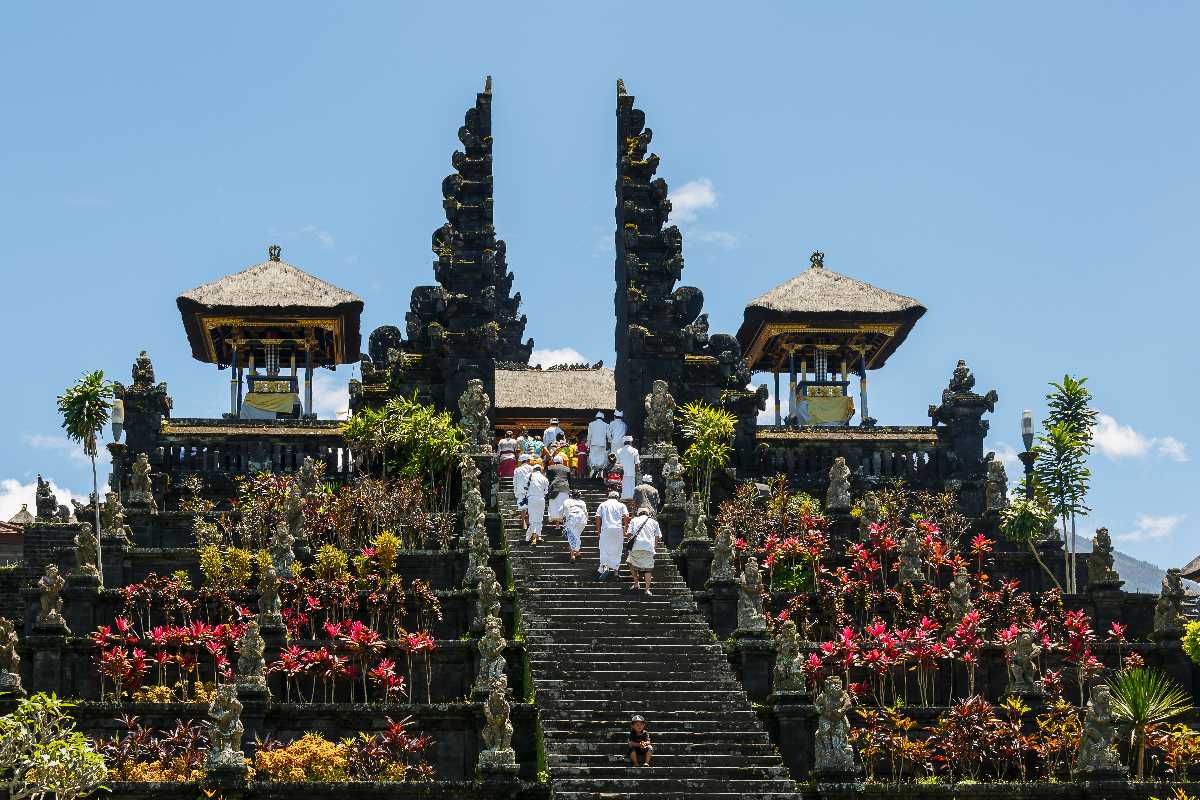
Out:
{"x": 308, "y": 372}
{"x": 234, "y": 405}
{"x": 862, "y": 395}
{"x": 778, "y": 413}
{"x": 792, "y": 387}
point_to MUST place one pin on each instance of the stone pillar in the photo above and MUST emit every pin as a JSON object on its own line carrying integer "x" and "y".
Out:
{"x": 697, "y": 558}
{"x": 795, "y": 722}
{"x": 670, "y": 519}
{"x": 45, "y": 660}
{"x": 754, "y": 654}
{"x": 724, "y": 594}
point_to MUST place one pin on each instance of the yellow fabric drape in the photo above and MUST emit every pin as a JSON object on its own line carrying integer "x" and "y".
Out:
{"x": 826, "y": 410}
{"x": 277, "y": 402}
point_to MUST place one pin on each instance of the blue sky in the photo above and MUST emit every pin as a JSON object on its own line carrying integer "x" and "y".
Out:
{"x": 1028, "y": 171}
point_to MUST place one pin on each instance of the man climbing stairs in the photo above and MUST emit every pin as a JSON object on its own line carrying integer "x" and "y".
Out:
{"x": 600, "y": 653}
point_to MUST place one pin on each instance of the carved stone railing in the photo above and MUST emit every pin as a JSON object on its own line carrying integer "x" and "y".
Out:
{"x": 876, "y": 455}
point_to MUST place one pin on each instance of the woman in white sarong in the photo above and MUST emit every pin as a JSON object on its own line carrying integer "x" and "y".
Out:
{"x": 612, "y": 517}
{"x": 574, "y": 521}
{"x": 645, "y": 533}
{"x": 629, "y": 459}
{"x": 535, "y": 501}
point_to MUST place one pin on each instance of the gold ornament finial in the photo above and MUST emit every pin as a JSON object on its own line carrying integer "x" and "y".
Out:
{"x": 817, "y": 259}
{"x": 273, "y": 252}
{"x": 620, "y": 87}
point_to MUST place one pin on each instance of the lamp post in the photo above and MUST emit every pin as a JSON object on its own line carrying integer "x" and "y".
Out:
{"x": 118, "y": 418}
{"x": 1028, "y": 457}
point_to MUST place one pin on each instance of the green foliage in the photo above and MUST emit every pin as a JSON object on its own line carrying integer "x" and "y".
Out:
{"x": 1024, "y": 521}
{"x": 1068, "y": 406}
{"x": 1145, "y": 698}
{"x": 332, "y": 563}
{"x": 42, "y": 754}
{"x": 710, "y": 431}
{"x": 1191, "y": 641}
{"x": 85, "y": 408}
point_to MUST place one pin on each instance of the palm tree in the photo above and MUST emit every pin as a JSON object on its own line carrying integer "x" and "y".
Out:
{"x": 1063, "y": 473}
{"x": 710, "y": 430}
{"x": 1145, "y": 697}
{"x": 85, "y": 408}
{"x": 1069, "y": 409}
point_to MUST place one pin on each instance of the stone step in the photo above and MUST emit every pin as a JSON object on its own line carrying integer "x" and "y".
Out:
{"x": 711, "y": 773}
{"x": 610, "y": 757}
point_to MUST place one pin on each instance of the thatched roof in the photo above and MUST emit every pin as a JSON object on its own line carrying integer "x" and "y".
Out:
{"x": 271, "y": 290}
{"x": 22, "y": 517}
{"x": 822, "y": 291}
{"x": 1192, "y": 571}
{"x": 567, "y": 390}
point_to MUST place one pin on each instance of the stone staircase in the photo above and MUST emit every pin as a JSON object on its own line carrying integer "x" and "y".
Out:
{"x": 600, "y": 652}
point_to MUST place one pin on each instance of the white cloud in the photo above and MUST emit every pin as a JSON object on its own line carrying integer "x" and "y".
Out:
{"x": 719, "y": 238}
{"x": 323, "y": 236}
{"x": 1172, "y": 448}
{"x": 13, "y": 494}
{"x": 691, "y": 198}
{"x": 552, "y": 356}
{"x": 331, "y": 395}
{"x": 1149, "y": 528}
{"x": 62, "y": 444}
{"x": 1012, "y": 464}
{"x": 1118, "y": 441}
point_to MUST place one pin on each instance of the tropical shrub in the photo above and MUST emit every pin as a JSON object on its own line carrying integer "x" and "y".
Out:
{"x": 42, "y": 754}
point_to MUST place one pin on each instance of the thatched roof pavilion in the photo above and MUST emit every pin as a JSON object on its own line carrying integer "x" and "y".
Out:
{"x": 528, "y": 398}
{"x": 827, "y": 325}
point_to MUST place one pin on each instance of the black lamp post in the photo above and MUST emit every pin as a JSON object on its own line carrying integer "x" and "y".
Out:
{"x": 1028, "y": 457}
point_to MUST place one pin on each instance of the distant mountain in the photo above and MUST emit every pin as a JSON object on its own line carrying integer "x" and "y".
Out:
{"x": 1139, "y": 576}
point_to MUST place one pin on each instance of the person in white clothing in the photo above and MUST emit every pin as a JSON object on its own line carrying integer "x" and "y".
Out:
{"x": 550, "y": 435}
{"x": 521, "y": 486}
{"x": 575, "y": 520}
{"x": 645, "y": 534}
{"x": 612, "y": 518}
{"x": 597, "y": 442}
{"x": 535, "y": 501}
{"x": 616, "y": 432}
{"x": 630, "y": 460}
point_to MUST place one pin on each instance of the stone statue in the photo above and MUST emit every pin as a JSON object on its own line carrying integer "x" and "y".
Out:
{"x": 789, "y": 666}
{"x": 695, "y": 521}
{"x": 491, "y": 655}
{"x": 1021, "y": 655}
{"x": 1168, "y": 611}
{"x": 722, "y": 563}
{"x": 837, "y": 498}
{"x": 1100, "y": 561}
{"x": 251, "y": 668}
{"x": 225, "y": 730}
{"x": 750, "y": 605}
{"x": 83, "y": 511}
{"x": 961, "y": 380}
{"x": 960, "y": 595}
{"x": 1097, "y": 741}
{"x": 833, "y": 751}
{"x": 293, "y": 514}
{"x": 996, "y": 487}
{"x": 912, "y": 568}
{"x": 86, "y": 552}
{"x": 473, "y": 405}
{"x": 672, "y": 475}
{"x": 50, "y": 613}
{"x": 269, "y": 615}
{"x": 112, "y": 515}
{"x": 479, "y": 548}
{"x": 498, "y": 729}
{"x": 660, "y": 417}
{"x": 141, "y": 489}
{"x": 143, "y": 371}
{"x": 10, "y": 662}
{"x": 45, "y": 501}
{"x": 309, "y": 477}
{"x": 280, "y": 549}
{"x": 870, "y": 507}
{"x": 490, "y": 592}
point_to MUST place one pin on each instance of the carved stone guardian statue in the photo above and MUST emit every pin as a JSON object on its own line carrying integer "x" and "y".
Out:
{"x": 283, "y": 556}
{"x": 251, "y": 667}
{"x": 960, "y": 595}
{"x": 141, "y": 484}
{"x": 837, "y": 497}
{"x": 497, "y": 755}
{"x": 912, "y": 568}
{"x": 996, "y": 486}
{"x": 660, "y": 417}
{"x": 10, "y": 661}
{"x": 833, "y": 752}
{"x": 473, "y": 405}
{"x": 695, "y": 521}
{"x": 86, "y": 552}
{"x": 1098, "y": 756}
{"x": 50, "y": 611}
{"x": 1021, "y": 656}
{"x": 45, "y": 501}
{"x": 491, "y": 656}
{"x": 750, "y": 605}
{"x": 722, "y": 563}
{"x": 225, "y": 731}
{"x": 269, "y": 615}
{"x": 1101, "y": 574}
{"x": 789, "y": 672}
{"x": 1168, "y": 611}
{"x": 673, "y": 484}
{"x": 490, "y": 592}
{"x": 112, "y": 516}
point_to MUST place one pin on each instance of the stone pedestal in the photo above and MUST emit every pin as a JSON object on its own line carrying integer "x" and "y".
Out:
{"x": 697, "y": 558}
{"x": 842, "y": 526}
{"x": 46, "y": 647}
{"x": 670, "y": 519}
{"x": 1107, "y": 602}
{"x": 493, "y": 770}
{"x": 795, "y": 722}
{"x": 724, "y": 594}
{"x": 754, "y": 654}
{"x": 113, "y": 547}
{"x": 81, "y": 598}
{"x": 228, "y": 781}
